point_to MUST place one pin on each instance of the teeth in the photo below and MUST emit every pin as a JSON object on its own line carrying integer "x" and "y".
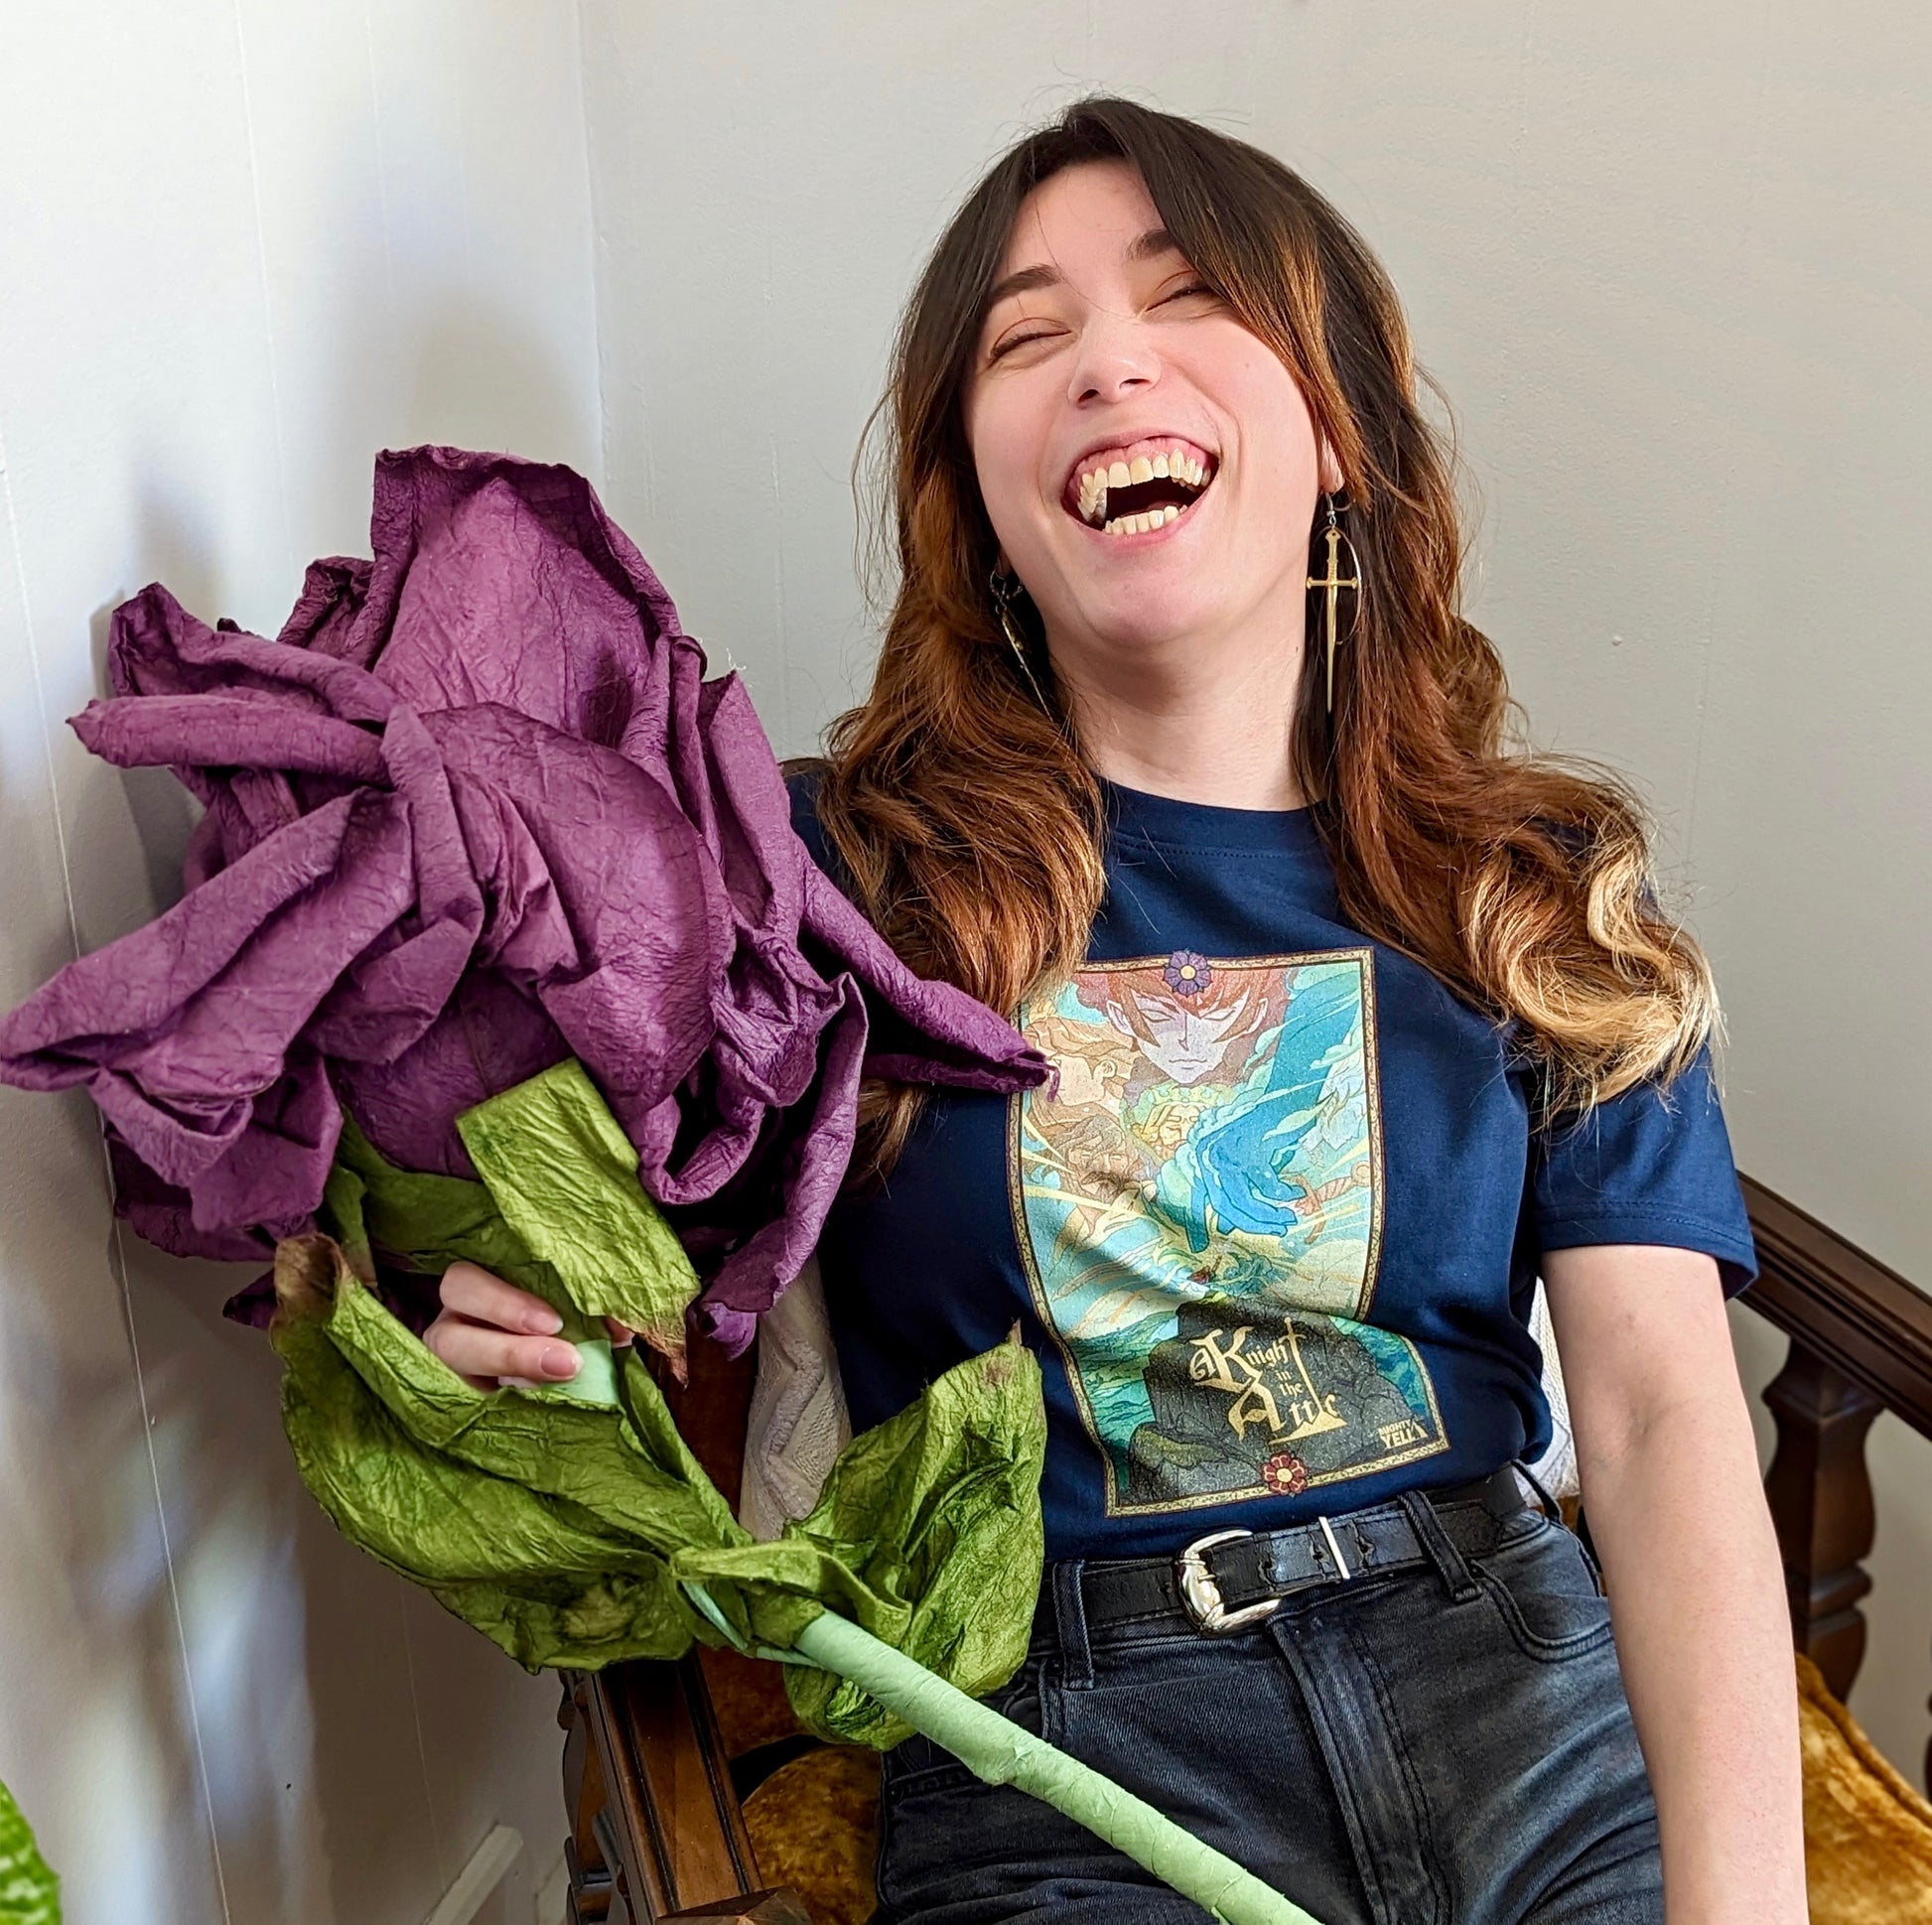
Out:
{"x": 1096, "y": 481}
{"x": 1141, "y": 525}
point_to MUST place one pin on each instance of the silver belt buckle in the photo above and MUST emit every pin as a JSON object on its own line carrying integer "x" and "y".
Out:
{"x": 1202, "y": 1596}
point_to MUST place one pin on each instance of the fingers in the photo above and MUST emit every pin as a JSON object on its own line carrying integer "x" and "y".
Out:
{"x": 473, "y": 1292}
{"x": 483, "y": 1354}
{"x": 490, "y": 1330}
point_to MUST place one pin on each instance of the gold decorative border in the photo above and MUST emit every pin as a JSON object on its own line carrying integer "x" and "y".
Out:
{"x": 1364, "y": 957}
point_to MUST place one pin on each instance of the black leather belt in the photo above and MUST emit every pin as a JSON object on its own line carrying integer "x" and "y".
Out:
{"x": 1231, "y": 1579}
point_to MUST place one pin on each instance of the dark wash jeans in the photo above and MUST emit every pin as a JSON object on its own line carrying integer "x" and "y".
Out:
{"x": 1444, "y": 1745}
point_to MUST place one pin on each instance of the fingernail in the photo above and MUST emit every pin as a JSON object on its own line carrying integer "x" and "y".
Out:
{"x": 544, "y": 1322}
{"x": 560, "y": 1360}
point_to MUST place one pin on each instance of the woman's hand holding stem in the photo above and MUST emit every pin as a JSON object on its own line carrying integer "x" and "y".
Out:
{"x": 491, "y": 1333}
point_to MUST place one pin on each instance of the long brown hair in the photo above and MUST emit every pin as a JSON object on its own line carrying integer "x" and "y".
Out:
{"x": 965, "y": 813}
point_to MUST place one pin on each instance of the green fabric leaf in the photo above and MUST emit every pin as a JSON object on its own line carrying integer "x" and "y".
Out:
{"x": 564, "y": 1525}
{"x": 545, "y": 1522}
{"x": 560, "y": 1213}
{"x": 30, "y": 1894}
{"x": 927, "y": 1534}
{"x": 563, "y": 1173}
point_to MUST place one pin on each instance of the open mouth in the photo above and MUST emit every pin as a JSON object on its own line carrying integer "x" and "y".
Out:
{"x": 1138, "y": 487}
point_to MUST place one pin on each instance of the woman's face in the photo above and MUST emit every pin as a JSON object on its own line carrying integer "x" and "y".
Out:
{"x": 1102, "y": 363}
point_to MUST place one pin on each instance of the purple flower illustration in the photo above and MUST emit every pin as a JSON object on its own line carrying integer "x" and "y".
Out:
{"x": 1186, "y": 974}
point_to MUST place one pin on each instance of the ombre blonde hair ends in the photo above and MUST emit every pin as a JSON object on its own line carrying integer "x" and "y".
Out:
{"x": 973, "y": 828}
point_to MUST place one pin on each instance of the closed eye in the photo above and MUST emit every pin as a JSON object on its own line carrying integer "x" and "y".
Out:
{"x": 1002, "y": 348}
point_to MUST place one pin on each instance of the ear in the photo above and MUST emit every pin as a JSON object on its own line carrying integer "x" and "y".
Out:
{"x": 1329, "y": 468}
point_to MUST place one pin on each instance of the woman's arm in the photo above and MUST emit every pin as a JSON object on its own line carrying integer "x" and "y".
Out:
{"x": 1697, "y": 1597}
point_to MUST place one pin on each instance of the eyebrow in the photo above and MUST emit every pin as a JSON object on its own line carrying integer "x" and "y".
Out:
{"x": 1025, "y": 279}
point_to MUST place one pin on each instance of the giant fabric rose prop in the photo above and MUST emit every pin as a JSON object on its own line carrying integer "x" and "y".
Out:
{"x": 475, "y": 810}
{"x": 498, "y": 945}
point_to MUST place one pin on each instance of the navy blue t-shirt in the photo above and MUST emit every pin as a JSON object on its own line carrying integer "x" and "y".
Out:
{"x": 1274, "y": 1227}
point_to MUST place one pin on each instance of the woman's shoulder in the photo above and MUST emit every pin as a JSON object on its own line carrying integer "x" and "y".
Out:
{"x": 804, "y": 778}
{"x": 804, "y": 774}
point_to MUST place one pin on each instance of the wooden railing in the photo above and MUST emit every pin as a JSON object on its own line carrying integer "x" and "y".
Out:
{"x": 1860, "y": 1342}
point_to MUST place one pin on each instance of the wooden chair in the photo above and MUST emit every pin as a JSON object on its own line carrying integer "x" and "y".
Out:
{"x": 656, "y": 1782}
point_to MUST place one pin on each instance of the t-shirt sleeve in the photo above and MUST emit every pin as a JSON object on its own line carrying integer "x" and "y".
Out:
{"x": 1652, "y": 1166}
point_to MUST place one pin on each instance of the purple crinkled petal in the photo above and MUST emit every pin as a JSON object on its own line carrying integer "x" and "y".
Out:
{"x": 474, "y": 809}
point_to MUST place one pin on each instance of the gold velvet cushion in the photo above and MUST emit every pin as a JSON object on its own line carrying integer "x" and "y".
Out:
{"x": 1867, "y": 1833}
{"x": 814, "y": 1826}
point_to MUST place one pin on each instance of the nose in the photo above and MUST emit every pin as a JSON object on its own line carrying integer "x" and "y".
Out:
{"x": 1116, "y": 359}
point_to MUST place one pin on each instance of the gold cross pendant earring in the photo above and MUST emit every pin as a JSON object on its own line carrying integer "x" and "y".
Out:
{"x": 1332, "y": 583}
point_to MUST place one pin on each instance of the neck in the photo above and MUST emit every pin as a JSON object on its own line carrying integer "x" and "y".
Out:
{"x": 1193, "y": 720}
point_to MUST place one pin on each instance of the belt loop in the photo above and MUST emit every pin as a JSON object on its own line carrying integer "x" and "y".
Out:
{"x": 1457, "y": 1579}
{"x": 1071, "y": 1620}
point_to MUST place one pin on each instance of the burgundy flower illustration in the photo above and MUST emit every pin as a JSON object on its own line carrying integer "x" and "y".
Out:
{"x": 1186, "y": 974}
{"x": 1286, "y": 1475}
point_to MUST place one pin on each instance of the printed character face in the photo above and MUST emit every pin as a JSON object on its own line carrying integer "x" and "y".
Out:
{"x": 1186, "y": 1040}
{"x": 1091, "y": 1064}
{"x": 1092, "y": 1083}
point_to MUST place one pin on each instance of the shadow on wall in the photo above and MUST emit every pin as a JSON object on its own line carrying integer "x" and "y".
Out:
{"x": 460, "y": 370}
{"x": 300, "y": 1660}
{"x": 351, "y": 1735}
{"x": 120, "y": 1734}
{"x": 481, "y": 380}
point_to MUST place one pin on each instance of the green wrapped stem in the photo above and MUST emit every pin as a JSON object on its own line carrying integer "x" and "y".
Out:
{"x": 1002, "y": 1754}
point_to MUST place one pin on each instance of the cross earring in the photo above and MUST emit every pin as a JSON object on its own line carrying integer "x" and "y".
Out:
{"x": 1332, "y": 583}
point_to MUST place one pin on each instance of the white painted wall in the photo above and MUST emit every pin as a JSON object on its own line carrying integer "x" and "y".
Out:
{"x": 1671, "y": 265}
{"x": 1674, "y": 268}
{"x": 243, "y": 243}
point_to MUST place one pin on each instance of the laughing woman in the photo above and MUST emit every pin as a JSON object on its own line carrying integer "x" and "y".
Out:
{"x": 1180, "y": 752}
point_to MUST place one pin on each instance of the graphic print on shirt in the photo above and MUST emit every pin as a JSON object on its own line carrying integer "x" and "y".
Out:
{"x": 1198, "y": 1197}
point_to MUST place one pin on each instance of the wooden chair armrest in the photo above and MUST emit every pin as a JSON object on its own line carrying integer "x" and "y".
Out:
{"x": 657, "y": 1833}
